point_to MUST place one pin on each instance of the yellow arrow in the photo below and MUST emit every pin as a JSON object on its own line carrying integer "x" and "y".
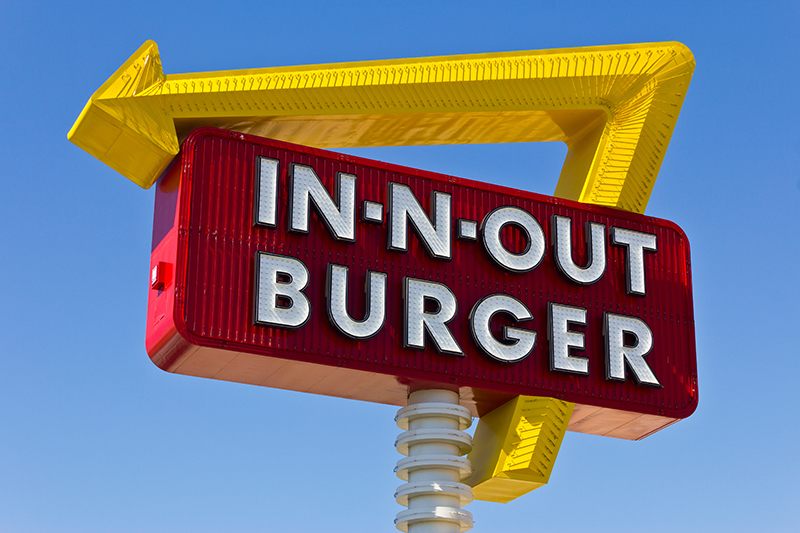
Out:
{"x": 614, "y": 106}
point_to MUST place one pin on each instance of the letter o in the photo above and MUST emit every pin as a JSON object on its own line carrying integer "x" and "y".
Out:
{"x": 491, "y": 229}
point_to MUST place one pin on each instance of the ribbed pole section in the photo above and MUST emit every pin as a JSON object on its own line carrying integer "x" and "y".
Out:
{"x": 433, "y": 443}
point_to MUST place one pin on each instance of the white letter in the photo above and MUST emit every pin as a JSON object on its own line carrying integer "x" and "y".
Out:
{"x": 435, "y": 232}
{"x": 416, "y": 321}
{"x": 339, "y": 216}
{"x": 562, "y": 240}
{"x": 618, "y": 353}
{"x": 491, "y": 229}
{"x": 266, "y": 191}
{"x": 281, "y": 278}
{"x": 480, "y": 324}
{"x": 336, "y": 295}
{"x": 635, "y": 243}
{"x": 562, "y": 340}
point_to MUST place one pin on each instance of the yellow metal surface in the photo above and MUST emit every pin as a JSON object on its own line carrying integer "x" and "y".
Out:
{"x": 515, "y": 447}
{"x": 614, "y": 106}
{"x": 134, "y": 136}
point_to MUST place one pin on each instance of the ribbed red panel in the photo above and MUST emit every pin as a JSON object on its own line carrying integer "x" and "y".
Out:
{"x": 218, "y": 243}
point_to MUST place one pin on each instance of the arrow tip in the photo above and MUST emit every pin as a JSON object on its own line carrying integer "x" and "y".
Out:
{"x": 134, "y": 136}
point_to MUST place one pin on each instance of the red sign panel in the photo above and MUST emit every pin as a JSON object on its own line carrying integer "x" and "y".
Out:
{"x": 286, "y": 266}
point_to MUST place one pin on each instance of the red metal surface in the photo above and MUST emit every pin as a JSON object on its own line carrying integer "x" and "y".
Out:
{"x": 201, "y": 323}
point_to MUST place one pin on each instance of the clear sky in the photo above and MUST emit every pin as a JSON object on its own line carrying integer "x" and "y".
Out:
{"x": 94, "y": 437}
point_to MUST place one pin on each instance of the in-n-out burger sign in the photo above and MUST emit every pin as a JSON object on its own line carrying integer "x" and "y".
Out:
{"x": 281, "y": 280}
{"x": 261, "y": 250}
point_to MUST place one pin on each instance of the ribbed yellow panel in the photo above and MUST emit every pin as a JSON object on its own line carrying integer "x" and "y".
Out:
{"x": 614, "y": 106}
{"x": 515, "y": 447}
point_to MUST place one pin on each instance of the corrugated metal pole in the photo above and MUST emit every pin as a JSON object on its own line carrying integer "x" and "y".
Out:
{"x": 434, "y": 443}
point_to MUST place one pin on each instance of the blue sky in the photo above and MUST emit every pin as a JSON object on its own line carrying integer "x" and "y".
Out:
{"x": 94, "y": 437}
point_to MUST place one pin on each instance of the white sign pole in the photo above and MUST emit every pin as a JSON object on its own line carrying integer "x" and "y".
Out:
{"x": 433, "y": 443}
